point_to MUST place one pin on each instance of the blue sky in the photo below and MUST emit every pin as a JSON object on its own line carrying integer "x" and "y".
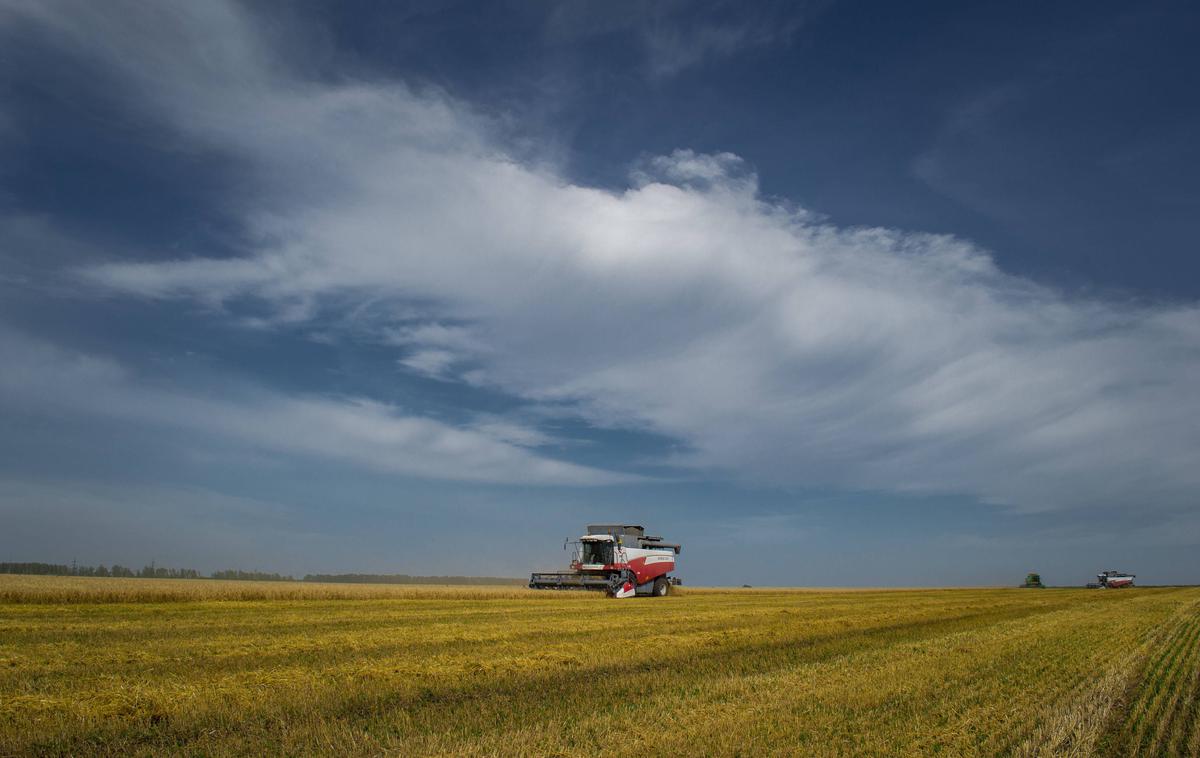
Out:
{"x": 836, "y": 293}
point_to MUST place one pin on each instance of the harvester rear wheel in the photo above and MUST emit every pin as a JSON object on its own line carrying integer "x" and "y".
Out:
{"x": 661, "y": 587}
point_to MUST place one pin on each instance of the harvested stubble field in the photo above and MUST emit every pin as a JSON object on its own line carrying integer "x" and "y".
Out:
{"x": 210, "y": 668}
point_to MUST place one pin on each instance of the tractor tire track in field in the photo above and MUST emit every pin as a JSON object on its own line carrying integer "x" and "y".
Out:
{"x": 1084, "y": 725}
{"x": 1163, "y": 717}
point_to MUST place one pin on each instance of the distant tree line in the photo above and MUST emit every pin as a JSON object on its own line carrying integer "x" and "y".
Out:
{"x": 61, "y": 569}
{"x": 146, "y": 572}
{"x": 408, "y": 579}
{"x": 160, "y": 572}
{"x": 251, "y": 576}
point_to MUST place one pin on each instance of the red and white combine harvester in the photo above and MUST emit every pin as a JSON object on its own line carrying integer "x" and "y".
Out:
{"x": 1112, "y": 580}
{"x": 619, "y": 559}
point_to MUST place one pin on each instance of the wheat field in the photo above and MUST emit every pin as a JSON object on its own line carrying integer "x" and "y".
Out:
{"x": 147, "y": 667}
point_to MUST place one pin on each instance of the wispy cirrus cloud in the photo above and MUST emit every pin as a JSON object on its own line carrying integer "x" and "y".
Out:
{"x": 677, "y": 35}
{"x": 772, "y": 346}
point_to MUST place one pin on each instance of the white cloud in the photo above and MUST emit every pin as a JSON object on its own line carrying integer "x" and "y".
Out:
{"x": 773, "y": 346}
{"x": 434, "y": 335}
{"x": 501, "y": 428}
{"x": 429, "y": 362}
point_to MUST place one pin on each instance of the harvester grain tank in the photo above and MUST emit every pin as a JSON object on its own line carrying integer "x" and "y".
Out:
{"x": 618, "y": 559}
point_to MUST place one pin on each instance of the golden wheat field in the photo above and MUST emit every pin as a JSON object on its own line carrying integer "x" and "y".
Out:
{"x": 148, "y": 667}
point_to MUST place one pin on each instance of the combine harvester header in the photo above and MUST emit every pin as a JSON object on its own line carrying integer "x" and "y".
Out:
{"x": 618, "y": 559}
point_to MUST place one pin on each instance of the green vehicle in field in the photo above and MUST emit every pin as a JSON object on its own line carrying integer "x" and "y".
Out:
{"x": 1033, "y": 580}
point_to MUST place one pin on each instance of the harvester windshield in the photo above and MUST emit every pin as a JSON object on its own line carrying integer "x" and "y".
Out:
{"x": 596, "y": 552}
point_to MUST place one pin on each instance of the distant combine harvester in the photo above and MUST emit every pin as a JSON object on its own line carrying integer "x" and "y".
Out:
{"x": 1112, "y": 580}
{"x": 1033, "y": 580}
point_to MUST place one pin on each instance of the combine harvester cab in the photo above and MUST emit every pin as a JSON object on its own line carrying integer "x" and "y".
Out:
{"x": 618, "y": 559}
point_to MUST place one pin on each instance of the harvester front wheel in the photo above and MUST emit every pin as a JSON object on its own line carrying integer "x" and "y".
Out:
{"x": 661, "y": 587}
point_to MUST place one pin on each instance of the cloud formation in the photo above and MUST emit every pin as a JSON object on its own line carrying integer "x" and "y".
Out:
{"x": 773, "y": 346}
{"x": 354, "y": 431}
